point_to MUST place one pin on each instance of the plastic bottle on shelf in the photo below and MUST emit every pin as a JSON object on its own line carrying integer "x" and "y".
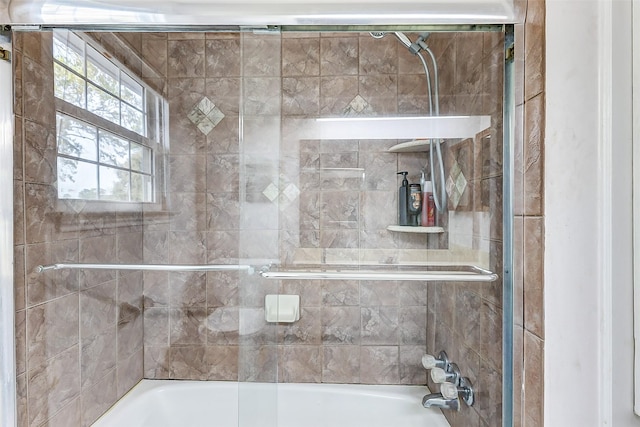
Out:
{"x": 428, "y": 213}
{"x": 403, "y": 200}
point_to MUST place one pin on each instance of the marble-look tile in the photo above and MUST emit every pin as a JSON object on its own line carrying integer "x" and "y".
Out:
{"x": 468, "y": 306}
{"x": 40, "y": 153}
{"x": 258, "y": 363}
{"x": 261, "y": 96}
{"x": 379, "y": 293}
{"x": 410, "y": 368}
{"x": 22, "y": 417}
{"x": 19, "y": 280}
{"x": 98, "y": 309}
{"x": 187, "y": 363}
{"x": 37, "y": 81}
{"x": 18, "y": 145}
{"x": 18, "y": 213}
{"x": 186, "y": 58}
{"x": 16, "y": 61}
{"x": 187, "y": 326}
{"x": 130, "y": 334}
{"x": 222, "y": 247}
{"x": 70, "y": 415}
{"x": 187, "y": 173}
{"x": 98, "y": 356}
{"x": 518, "y": 162}
{"x": 301, "y": 57}
{"x": 52, "y": 328}
{"x": 187, "y": 247}
{"x": 97, "y": 399}
{"x": 412, "y": 325}
{"x": 339, "y": 55}
{"x": 21, "y": 341}
{"x": 341, "y": 364}
{"x": 534, "y": 51}
{"x": 41, "y": 287}
{"x": 129, "y": 372}
{"x": 254, "y": 329}
{"x": 223, "y": 173}
{"x": 378, "y": 56}
{"x": 491, "y": 335}
{"x": 154, "y": 52}
{"x": 300, "y": 96}
{"x": 224, "y": 138}
{"x": 222, "y": 289}
{"x": 188, "y": 211}
{"x": 534, "y": 275}
{"x": 53, "y": 384}
{"x": 380, "y": 171}
{"x": 376, "y": 209}
{"x": 300, "y": 364}
{"x": 225, "y": 93}
{"x": 129, "y": 248}
{"x": 534, "y": 156}
{"x": 340, "y": 325}
{"x": 222, "y": 362}
{"x": 156, "y": 288}
{"x": 518, "y": 270}
{"x": 261, "y": 55}
{"x": 184, "y": 95}
{"x": 380, "y": 92}
{"x": 413, "y": 94}
{"x": 304, "y": 331}
{"x": 310, "y": 291}
{"x": 489, "y": 399}
{"x": 187, "y": 289}
{"x": 39, "y": 208}
{"x": 156, "y": 362}
{"x": 97, "y": 250}
{"x": 339, "y": 209}
{"x": 379, "y": 365}
{"x": 379, "y": 325}
{"x": 156, "y": 327}
{"x": 340, "y": 293}
{"x": 339, "y": 238}
{"x": 223, "y": 326}
{"x": 412, "y": 294}
{"x": 223, "y": 211}
{"x": 336, "y": 93}
{"x": 223, "y": 57}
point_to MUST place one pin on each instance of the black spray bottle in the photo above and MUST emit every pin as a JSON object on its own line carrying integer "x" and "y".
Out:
{"x": 403, "y": 200}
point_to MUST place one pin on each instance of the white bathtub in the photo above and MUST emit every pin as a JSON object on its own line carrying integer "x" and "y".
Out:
{"x": 217, "y": 404}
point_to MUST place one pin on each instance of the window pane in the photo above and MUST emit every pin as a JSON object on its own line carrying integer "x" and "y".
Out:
{"x": 113, "y": 150}
{"x": 114, "y": 184}
{"x": 141, "y": 188}
{"x": 131, "y": 91}
{"x": 132, "y": 119}
{"x": 140, "y": 158}
{"x": 101, "y": 71}
{"x": 69, "y": 49}
{"x": 77, "y": 179}
{"x": 76, "y": 138}
{"x": 68, "y": 86}
{"x": 104, "y": 105}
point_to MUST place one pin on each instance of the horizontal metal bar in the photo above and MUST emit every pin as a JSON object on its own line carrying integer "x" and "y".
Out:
{"x": 425, "y": 276}
{"x": 146, "y": 267}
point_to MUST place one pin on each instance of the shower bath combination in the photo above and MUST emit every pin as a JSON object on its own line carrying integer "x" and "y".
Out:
{"x": 435, "y": 151}
{"x": 246, "y": 207}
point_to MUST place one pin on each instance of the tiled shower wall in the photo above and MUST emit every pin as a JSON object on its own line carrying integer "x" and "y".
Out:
{"x": 220, "y": 207}
{"x": 78, "y": 334}
{"x": 267, "y": 196}
{"x": 466, "y": 319}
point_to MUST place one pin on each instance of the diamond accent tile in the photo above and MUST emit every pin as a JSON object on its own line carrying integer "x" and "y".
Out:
{"x": 205, "y": 115}
{"x": 358, "y": 105}
{"x": 292, "y": 192}
{"x": 456, "y": 184}
{"x": 271, "y": 192}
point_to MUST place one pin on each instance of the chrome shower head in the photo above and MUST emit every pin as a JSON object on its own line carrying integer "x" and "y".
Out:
{"x": 413, "y": 48}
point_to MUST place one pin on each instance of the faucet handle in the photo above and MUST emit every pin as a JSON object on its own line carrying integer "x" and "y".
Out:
{"x": 451, "y": 375}
{"x": 449, "y": 391}
{"x": 430, "y": 362}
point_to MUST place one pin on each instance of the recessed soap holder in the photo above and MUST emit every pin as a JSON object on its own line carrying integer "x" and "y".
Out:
{"x": 282, "y": 308}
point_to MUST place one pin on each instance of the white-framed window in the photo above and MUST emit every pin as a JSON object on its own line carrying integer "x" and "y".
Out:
{"x": 108, "y": 125}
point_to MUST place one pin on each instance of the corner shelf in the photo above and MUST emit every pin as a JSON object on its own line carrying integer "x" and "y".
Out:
{"x": 411, "y": 146}
{"x": 415, "y": 229}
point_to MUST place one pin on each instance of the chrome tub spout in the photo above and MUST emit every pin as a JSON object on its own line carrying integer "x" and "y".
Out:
{"x": 436, "y": 400}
